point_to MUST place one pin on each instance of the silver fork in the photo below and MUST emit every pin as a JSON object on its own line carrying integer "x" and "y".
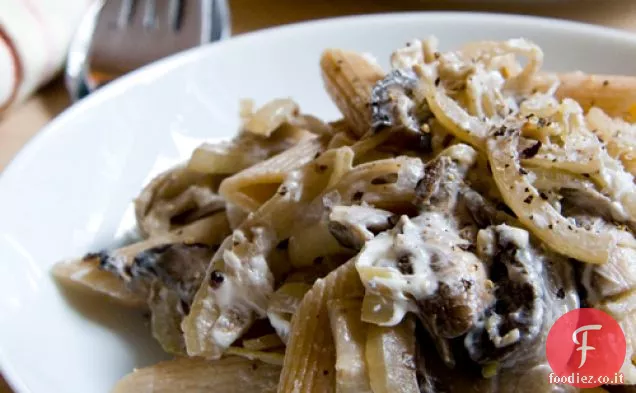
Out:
{"x": 118, "y": 36}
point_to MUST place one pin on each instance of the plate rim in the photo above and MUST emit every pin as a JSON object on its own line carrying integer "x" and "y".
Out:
{"x": 161, "y": 66}
{"x": 153, "y": 70}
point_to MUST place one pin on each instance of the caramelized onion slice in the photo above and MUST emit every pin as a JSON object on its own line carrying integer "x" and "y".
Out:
{"x": 450, "y": 114}
{"x": 537, "y": 214}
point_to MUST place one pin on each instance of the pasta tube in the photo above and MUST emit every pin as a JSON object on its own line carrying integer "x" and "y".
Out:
{"x": 349, "y": 78}
{"x": 390, "y": 354}
{"x": 192, "y": 375}
{"x": 310, "y": 357}
{"x": 349, "y": 334}
{"x": 615, "y": 95}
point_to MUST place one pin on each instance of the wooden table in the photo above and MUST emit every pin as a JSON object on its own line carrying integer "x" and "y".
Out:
{"x": 22, "y": 122}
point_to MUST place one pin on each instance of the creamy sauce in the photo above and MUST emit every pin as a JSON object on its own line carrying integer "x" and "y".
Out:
{"x": 358, "y": 220}
{"x": 410, "y": 55}
{"x": 430, "y": 241}
{"x": 281, "y": 325}
{"x": 247, "y": 284}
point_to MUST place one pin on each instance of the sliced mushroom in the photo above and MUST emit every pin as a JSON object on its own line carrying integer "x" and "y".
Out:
{"x": 173, "y": 272}
{"x": 420, "y": 265}
{"x": 167, "y": 270}
{"x": 443, "y": 178}
{"x": 353, "y": 226}
{"x": 435, "y": 186}
{"x": 482, "y": 211}
{"x": 466, "y": 376}
{"x": 532, "y": 291}
{"x": 512, "y": 368}
{"x": 392, "y": 104}
{"x": 209, "y": 230}
{"x": 177, "y": 267}
{"x": 168, "y": 275}
{"x": 592, "y": 203}
{"x": 108, "y": 272}
{"x": 166, "y": 314}
{"x": 516, "y": 316}
{"x": 459, "y": 302}
{"x": 435, "y": 378}
{"x": 463, "y": 290}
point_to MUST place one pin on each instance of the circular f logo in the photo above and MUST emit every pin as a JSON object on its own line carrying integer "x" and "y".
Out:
{"x": 586, "y": 343}
{"x": 584, "y": 347}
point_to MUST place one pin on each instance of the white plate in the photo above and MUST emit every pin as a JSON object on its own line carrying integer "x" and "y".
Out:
{"x": 69, "y": 190}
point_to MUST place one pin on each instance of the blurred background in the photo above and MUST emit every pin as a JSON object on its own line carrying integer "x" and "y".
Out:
{"x": 35, "y": 36}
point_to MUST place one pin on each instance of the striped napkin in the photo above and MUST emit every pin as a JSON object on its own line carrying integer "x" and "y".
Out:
{"x": 34, "y": 39}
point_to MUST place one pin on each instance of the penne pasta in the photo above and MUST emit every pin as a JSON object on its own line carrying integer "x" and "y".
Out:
{"x": 387, "y": 184}
{"x": 229, "y": 375}
{"x": 86, "y": 274}
{"x": 349, "y": 78}
{"x": 222, "y": 313}
{"x": 340, "y": 139}
{"x": 613, "y": 94}
{"x": 230, "y": 157}
{"x": 310, "y": 357}
{"x": 390, "y": 356}
{"x": 349, "y": 334}
{"x": 225, "y": 158}
{"x": 312, "y": 243}
{"x": 252, "y": 187}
